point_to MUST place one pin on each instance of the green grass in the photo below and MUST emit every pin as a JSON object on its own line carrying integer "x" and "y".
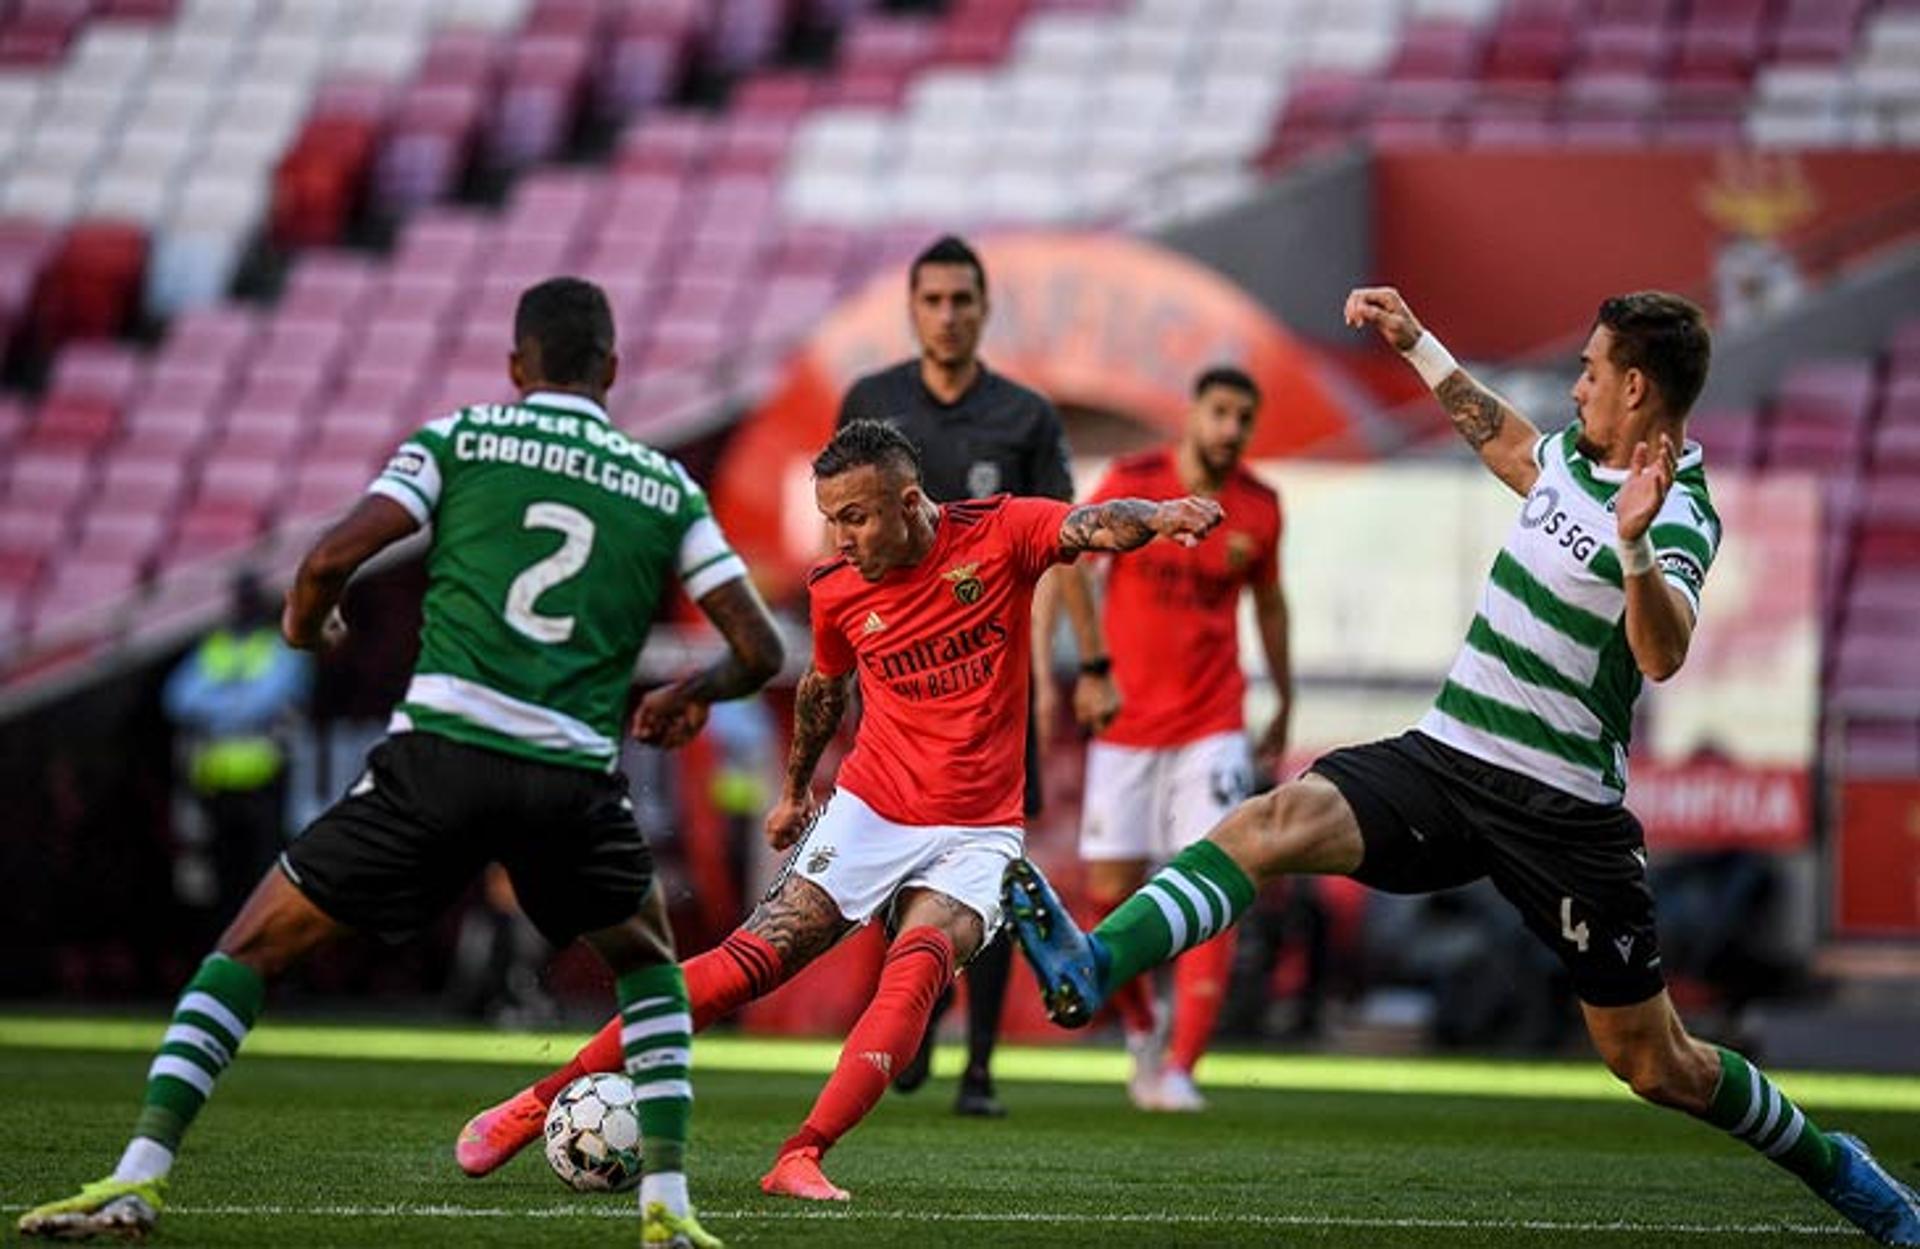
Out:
{"x": 302, "y": 1148}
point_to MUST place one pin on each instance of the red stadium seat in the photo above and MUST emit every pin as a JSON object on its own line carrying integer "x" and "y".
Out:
{"x": 90, "y": 287}
{"x": 73, "y": 421}
{"x": 139, "y": 482}
{"x": 107, "y": 372}
{"x": 51, "y": 478}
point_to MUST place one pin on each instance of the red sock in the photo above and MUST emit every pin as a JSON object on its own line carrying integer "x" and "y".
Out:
{"x": 1199, "y": 991}
{"x": 719, "y": 982}
{"x": 885, "y": 1037}
{"x": 1132, "y": 1001}
{"x": 731, "y": 974}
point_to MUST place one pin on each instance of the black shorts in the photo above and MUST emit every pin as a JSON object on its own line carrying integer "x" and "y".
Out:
{"x": 430, "y": 813}
{"x": 1433, "y": 817}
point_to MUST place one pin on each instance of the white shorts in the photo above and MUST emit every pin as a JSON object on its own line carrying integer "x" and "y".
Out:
{"x": 863, "y": 860}
{"x": 1150, "y": 804}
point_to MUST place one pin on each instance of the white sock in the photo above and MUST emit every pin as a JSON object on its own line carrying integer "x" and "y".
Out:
{"x": 669, "y": 1188}
{"x": 145, "y": 1159}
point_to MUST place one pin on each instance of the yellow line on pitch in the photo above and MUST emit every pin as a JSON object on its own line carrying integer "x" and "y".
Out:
{"x": 1072, "y": 1064}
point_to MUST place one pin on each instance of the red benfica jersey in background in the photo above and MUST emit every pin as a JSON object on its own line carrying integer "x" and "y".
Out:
{"x": 944, "y": 650}
{"x": 1171, "y": 612}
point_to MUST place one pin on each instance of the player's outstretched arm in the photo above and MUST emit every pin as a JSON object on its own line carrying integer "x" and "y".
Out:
{"x": 308, "y": 618}
{"x": 1128, "y": 524}
{"x": 1491, "y": 426}
{"x": 670, "y": 716}
{"x": 819, "y": 704}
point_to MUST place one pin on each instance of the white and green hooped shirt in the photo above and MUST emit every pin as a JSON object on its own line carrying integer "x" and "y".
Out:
{"x": 1546, "y": 684}
{"x": 555, "y": 541}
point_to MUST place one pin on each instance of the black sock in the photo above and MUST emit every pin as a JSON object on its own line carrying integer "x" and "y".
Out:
{"x": 987, "y": 977}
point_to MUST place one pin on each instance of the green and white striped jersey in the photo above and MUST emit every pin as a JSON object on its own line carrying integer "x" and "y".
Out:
{"x": 1545, "y": 684}
{"x": 555, "y": 540}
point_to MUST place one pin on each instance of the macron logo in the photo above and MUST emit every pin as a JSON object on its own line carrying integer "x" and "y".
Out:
{"x": 873, "y": 624}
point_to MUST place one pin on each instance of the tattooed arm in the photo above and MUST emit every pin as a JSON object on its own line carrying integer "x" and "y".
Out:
{"x": 818, "y": 706}
{"x": 1502, "y": 437}
{"x": 1127, "y": 524}
{"x": 671, "y": 715}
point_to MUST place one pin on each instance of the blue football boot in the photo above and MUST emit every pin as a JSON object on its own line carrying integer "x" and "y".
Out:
{"x": 1064, "y": 959}
{"x": 1875, "y": 1202}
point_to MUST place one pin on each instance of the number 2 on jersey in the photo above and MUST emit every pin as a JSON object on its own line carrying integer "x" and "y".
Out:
{"x": 576, "y": 528}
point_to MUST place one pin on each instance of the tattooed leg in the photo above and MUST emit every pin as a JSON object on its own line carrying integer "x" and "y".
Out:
{"x": 799, "y": 921}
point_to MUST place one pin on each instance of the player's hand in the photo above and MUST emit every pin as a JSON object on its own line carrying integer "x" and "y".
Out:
{"x": 790, "y": 819}
{"x": 1096, "y": 701}
{"x": 329, "y": 637}
{"x": 1187, "y": 520}
{"x": 1384, "y": 309}
{"x": 1271, "y": 750}
{"x": 666, "y": 718}
{"x": 1649, "y": 477}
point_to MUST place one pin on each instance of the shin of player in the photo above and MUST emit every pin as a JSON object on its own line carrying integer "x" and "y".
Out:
{"x": 1518, "y": 770}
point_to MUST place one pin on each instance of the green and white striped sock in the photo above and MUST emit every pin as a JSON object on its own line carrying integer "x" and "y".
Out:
{"x": 213, "y": 1017}
{"x": 1749, "y": 1106}
{"x": 1198, "y": 895}
{"x": 656, "y": 1038}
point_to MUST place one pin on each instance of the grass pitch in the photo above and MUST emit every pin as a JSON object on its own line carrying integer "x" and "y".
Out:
{"x": 343, "y": 1137}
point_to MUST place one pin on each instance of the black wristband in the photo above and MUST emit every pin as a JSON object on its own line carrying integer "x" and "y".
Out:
{"x": 1096, "y": 667}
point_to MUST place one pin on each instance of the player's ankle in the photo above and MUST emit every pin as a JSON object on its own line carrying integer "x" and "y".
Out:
{"x": 669, "y": 1188}
{"x": 808, "y": 1137}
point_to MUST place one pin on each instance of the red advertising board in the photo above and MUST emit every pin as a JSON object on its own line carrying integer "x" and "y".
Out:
{"x": 1722, "y": 806}
{"x": 1500, "y": 249}
{"x": 1877, "y": 859}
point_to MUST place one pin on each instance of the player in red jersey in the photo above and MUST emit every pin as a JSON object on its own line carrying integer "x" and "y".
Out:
{"x": 1176, "y": 759}
{"x": 931, "y": 606}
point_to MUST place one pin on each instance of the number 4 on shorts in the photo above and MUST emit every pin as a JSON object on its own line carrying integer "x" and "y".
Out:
{"x": 1576, "y": 933}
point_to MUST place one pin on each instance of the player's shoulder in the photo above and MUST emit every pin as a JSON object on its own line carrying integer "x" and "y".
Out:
{"x": 1554, "y": 445}
{"x": 440, "y": 428}
{"x": 884, "y": 381}
{"x": 1690, "y": 503}
{"x": 1252, "y": 489}
{"x": 825, "y": 578}
{"x": 1004, "y": 394}
{"x": 969, "y": 513}
{"x": 1139, "y": 465}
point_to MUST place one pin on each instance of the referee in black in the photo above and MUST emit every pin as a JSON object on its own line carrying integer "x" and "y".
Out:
{"x": 979, "y": 434}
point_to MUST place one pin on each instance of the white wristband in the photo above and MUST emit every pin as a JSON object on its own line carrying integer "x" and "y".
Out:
{"x": 1636, "y": 556}
{"x": 1431, "y": 359}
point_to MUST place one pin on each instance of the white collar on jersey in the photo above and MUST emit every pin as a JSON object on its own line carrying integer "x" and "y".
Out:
{"x": 1690, "y": 455}
{"x": 572, "y": 403}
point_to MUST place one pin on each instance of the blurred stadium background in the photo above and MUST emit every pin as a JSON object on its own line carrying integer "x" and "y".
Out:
{"x": 246, "y": 245}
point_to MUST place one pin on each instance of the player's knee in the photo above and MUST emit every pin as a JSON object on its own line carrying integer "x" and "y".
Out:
{"x": 266, "y": 950}
{"x": 1295, "y": 828}
{"x": 1651, "y": 1072}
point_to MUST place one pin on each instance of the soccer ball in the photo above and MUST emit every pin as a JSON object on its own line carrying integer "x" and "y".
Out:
{"x": 593, "y": 1134}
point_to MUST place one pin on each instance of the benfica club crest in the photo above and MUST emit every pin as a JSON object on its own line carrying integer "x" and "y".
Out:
{"x": 1240, "y": 549}
{"x": 967, "y": 586}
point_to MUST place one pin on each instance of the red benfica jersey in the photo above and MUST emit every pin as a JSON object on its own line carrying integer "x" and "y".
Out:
{"x": 1171, "y": 612}
{"x": 944, "y": 650}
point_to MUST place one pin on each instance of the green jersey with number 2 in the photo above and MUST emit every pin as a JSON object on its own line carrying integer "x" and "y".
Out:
{"x": 555, "y": 539}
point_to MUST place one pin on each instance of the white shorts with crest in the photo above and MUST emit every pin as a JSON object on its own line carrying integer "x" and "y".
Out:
{"x": 863, "y": 860}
